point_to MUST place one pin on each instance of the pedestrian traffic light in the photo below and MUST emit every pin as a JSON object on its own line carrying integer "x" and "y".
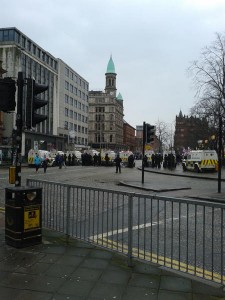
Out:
{"x": 150, "y": 132}
{"x": 33, "y": 103}
{"x": 7, "y": 94}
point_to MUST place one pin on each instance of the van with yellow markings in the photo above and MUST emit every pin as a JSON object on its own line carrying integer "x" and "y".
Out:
{"x": 201, "y": 161}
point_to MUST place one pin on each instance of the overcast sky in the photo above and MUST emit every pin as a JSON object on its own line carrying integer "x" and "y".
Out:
{"x": 152, "y": 43}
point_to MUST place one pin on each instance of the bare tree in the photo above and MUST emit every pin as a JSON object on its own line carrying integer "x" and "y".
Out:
{"x": 164, "y": 132}
{"x": 209, "y": 79}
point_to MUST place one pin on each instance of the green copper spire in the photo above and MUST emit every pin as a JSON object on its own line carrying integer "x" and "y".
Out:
{"x": 119, "y": 97}
{"x": 110, "y": 67}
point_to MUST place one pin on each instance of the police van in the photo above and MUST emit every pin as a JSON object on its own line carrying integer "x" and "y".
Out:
{"x": 201, "y": 161}
{"x": 42, "y": 154}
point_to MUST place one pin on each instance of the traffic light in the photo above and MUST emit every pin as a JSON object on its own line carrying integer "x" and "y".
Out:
{"x": 150, "y": 132}
{"x": 7, "y": 94}
{"x": 33, "y": 103}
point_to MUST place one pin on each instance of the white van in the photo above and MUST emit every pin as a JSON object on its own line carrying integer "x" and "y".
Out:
{"x": 201, "y": 160}
{"x": 41, "y": 153}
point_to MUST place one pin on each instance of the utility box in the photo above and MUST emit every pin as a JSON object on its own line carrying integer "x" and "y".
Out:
{"x": 12, "y": 175}
{"x": 23, "y": 216}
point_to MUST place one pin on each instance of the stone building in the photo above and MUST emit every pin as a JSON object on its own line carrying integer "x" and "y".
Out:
{"x": 188, "y": 131}
{"x": 128, "y": 136}
{"x": 105, "y": 125}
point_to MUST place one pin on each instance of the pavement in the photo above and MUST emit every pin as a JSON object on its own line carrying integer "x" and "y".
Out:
{"x": 61, "y": 268}
{"x": 65, "y": 268}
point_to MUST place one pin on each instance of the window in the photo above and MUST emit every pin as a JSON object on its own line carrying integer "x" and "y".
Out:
{"x": 66, "y": 98}
{"x": 39, "y": 53}
{"x": 100, "y": 109}
{"x": 75, "y": 116}
{"x": 71, "y": 101}
{"x": 66, "y": 112}
{"x": 66, "y": 71}
{"x": 66, "y": 85}
{"x": 34, "y": 49}
{"x": 75, "y": 103}
{"x": 71, "y": 88}
{"x": 71, "y": 113}
{"x": 23, "y": 42}
{"x": 29, "y": 45}
{"x": 66, "y": 125}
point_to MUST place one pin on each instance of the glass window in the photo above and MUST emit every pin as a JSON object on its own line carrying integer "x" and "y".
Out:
{"x": 66, "y": 112}
{"x": 71, "y": 113}
{"x": 66, "y": 71}
{"x": 29, "y": 45}
{"x": 23, "y": 42}
{"x": 66, "y": 85}
{"x": 71, "y": 101}
{"x": 66, "y": 98}
{"x": 34, "y": 49}
{"x": 66, "y": 125}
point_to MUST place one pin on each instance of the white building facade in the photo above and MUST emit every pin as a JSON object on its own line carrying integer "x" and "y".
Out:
{"x": 67, "y": 95}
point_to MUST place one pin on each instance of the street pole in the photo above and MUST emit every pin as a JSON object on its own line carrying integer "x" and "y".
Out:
{"x": 19, "y": 128}
{"x": 143, "y": 151}
{"x": 219, "y": 154}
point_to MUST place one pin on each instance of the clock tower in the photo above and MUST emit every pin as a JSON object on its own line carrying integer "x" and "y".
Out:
{"x": 110, "y": 86}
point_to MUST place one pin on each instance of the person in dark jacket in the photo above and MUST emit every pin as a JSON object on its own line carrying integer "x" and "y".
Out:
{"x": 45, "y": 163}
{"x": 118, "y": 161}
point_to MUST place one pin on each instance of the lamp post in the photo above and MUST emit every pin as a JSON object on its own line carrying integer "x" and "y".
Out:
{"x": 219, "y": 154}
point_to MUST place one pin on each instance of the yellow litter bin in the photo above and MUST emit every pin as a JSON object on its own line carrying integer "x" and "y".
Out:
{"x": 23, "y": 209}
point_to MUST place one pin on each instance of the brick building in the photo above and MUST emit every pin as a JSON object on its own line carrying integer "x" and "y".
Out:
{"x": 128, "y": 136}
{"x": 188, "y": 131}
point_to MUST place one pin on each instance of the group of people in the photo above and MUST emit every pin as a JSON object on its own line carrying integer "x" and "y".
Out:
{"x": 66, "y": 160}
{"x": 87, "y": 159}
{"x": 38, "y": 162}
{"x": 168, "y": 161}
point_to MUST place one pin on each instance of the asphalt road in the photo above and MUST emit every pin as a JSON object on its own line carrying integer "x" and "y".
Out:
{"x": 180, "y": 246}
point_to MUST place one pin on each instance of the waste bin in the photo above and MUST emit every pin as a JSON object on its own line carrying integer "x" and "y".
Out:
{"x": 23, "y": 210}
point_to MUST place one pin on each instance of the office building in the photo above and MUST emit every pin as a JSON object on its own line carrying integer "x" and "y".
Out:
{"x": 67, "y": 95}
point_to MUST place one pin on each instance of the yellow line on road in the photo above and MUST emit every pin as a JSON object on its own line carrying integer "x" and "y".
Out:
{"x": 161, "y": 260}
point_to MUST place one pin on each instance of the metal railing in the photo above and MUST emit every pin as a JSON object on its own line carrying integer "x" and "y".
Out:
{"x": 185, "y": 235}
